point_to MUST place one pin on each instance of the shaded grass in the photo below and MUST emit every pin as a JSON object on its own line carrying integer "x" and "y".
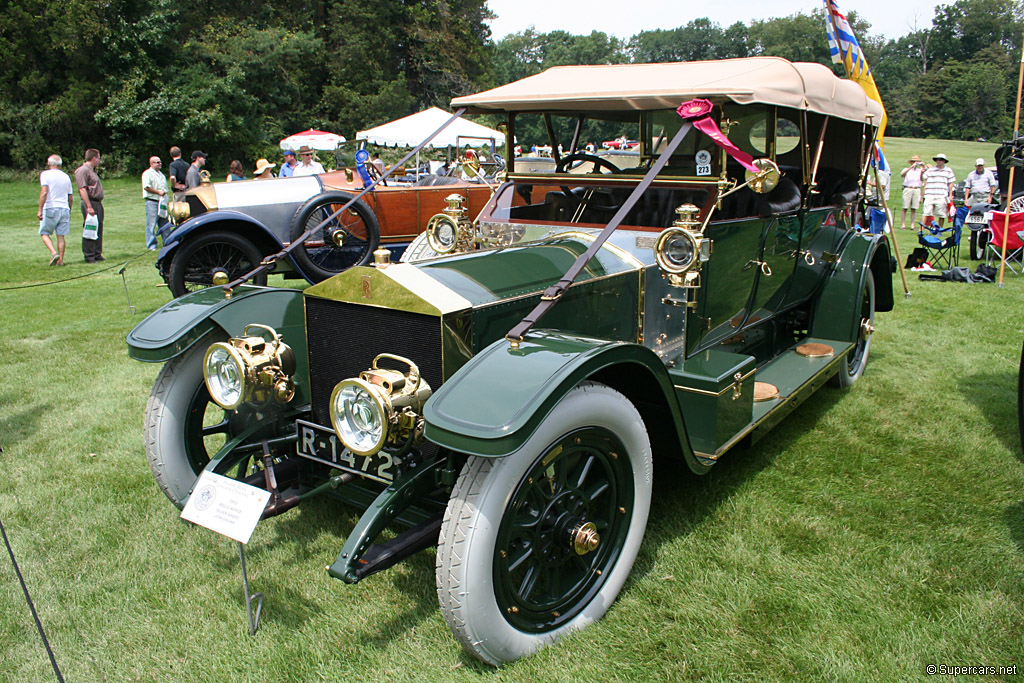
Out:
{"x": 877, "y": 530}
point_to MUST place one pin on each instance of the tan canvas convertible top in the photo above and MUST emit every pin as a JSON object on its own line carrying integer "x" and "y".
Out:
{"x": 624, "y": 87}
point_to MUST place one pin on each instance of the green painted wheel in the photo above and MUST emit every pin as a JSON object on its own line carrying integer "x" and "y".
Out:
{"x": 539, "y": 543}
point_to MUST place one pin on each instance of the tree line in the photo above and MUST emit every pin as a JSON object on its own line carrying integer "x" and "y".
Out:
{"x": 132, "y": 77}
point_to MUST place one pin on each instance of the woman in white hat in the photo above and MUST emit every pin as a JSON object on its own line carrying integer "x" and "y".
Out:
{"x": 264, "y": 170}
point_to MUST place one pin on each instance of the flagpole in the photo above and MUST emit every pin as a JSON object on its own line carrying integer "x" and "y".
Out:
{"x": 1009, "y": 186}
{"x": 888, "y": 222}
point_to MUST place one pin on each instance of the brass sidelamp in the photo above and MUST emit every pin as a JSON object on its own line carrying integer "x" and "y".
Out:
{"x": 451, "y": 230}
{"x": 682, "y": 248}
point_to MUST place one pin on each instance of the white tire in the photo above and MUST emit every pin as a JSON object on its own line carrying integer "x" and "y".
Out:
{"x": 851, "y": 367}
{"x": 178, "y": 407}
{"x": 509, "y": 578}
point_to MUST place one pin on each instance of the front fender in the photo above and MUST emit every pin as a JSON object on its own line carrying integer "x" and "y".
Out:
{"x": 837, "y": 310}
{"x": 497, "y": 400}
{"x": 208, "y": 219}
{"x": 175, "y": 327}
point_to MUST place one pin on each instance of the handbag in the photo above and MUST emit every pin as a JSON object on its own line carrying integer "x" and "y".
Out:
{"x": 90, "y": 231}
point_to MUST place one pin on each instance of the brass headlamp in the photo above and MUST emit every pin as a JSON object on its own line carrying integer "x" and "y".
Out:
{"x": 451, "y": 229}
{"x": 180, "y": 212}
{"x": 380, "y": 406}
{"x": 681, "y": 249}
{"x": 250, "y": 369}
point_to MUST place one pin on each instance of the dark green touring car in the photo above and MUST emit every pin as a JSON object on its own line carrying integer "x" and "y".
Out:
{"x": 500, "y": 394}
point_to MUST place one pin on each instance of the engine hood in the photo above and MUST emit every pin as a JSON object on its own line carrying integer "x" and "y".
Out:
{"x": 475, "y": 279}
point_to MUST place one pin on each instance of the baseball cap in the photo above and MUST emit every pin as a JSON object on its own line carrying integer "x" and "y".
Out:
{"x": 289, "y": 152}
{"x": 196, "y": 154}
{"x": 979, "y": 162}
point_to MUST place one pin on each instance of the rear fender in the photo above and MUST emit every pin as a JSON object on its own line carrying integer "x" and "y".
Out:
{"x": 180, "y": 324}
{"x": 837, "y": 309}
{"x": 495, "y": 402}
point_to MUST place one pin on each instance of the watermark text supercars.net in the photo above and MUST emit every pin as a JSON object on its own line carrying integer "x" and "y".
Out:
{"x": 956, "y": 670}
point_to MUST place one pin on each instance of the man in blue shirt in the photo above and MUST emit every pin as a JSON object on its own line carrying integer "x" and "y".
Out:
{"x": 288, "y": 168}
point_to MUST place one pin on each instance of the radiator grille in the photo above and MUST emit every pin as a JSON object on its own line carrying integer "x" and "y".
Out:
{"x": 344, "y": 338}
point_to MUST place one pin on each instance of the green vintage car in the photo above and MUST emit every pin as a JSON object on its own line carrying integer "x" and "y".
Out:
{"x": 502, "y": 394}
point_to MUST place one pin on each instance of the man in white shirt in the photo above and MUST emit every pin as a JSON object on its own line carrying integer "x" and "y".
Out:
{"x": 154, "y": 189}
{"x": 54, "y": 208}
{"x": 307, "y": 166}
{"x": 938, "y": 188}
{"x": 980, "y": 185}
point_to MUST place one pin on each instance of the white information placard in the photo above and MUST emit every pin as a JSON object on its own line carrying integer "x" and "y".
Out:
{"x": 226, "y": 506}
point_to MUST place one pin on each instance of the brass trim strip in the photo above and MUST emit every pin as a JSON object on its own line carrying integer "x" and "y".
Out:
{"x": 705, "y": 392}
{"x": 615, "y": 249}
{"x": 783, "y": 400}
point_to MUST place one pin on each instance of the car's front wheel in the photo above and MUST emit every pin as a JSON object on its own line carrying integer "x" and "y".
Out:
{"x": 539, "y": 543}
{"x": 216, "y": 254}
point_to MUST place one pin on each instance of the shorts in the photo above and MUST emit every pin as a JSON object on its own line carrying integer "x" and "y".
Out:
{"x": 56, "y": 220}
{"x": 911, "y": 198}
{"x": 935, "y": 207}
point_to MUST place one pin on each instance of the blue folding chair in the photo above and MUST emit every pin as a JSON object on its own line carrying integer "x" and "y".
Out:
{"x": 943, "y": 244}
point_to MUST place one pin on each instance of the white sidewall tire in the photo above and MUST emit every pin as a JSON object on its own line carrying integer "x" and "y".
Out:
{"x": 465, "y": 554}
{"x": 418, "y": 250}
{"x": 166, "y": 415}
{"x": 845, "y": 378}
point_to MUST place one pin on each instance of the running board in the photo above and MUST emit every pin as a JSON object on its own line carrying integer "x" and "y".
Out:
{"x": 796, "y": 376}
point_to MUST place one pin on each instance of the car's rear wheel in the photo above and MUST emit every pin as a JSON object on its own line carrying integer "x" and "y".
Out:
{"x": 539, "y": 543}
{"x": 214, "y": 254}
{"x": 340, "y": 242}
{"x": 851, "y": 367}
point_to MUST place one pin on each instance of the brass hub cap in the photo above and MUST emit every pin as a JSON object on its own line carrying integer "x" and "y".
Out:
{"x": 338, "y": 237}
{"x": 220, "y": 277}
{"x": 866, "y": 328}
{"x": 585, "y": 538}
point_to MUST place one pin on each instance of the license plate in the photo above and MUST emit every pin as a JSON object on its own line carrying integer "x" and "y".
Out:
{"x": 974, "y": 218}
{"x": 322, "y": 445}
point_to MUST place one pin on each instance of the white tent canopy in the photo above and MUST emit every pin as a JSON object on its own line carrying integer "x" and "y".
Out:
{"x": 316, "y": 139}
{"x": 413, "y": 129}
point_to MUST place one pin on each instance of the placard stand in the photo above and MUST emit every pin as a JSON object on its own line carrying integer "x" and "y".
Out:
{"x": 230, "y": 508}
{"x": 254, "y": 620}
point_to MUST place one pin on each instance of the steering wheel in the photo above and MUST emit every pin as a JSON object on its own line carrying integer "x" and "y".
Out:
{"x": 375, "y": 173}
{"x": 599, "y": 162}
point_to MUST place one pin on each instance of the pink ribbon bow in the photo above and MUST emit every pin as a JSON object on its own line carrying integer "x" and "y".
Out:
{"x": 698, "y": 111}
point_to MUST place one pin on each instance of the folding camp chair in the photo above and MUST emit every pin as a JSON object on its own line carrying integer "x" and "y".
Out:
{"x": 1014, "y": 246}
{"x": 943, "y": 244}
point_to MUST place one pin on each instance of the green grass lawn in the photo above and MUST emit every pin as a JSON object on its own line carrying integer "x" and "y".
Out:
{"x": 876, "y": 531}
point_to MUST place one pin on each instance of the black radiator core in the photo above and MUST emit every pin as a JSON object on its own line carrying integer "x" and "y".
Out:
{"x": 344, "y": 339}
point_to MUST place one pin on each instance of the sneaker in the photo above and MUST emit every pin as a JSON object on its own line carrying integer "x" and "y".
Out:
{"x": 54, "y": 259}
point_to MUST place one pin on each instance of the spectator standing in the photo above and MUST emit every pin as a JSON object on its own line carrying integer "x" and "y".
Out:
{"x": 980, "y": 185}
{"x": 154, "y": 189}
{"x": 378, "y": 163}
{"x": 288, "y": 169}
{"x": 193, "y": 178}
{"x": 90, "y": 188}
{"x": 911, "y": 189}
{"x": 938, "y": 188}
{"x": 54, "y": 207}
{"x": 264, "y": 170}
{"x": 235, "y": 171}
{"x": 179, "y": 171}
{"x": 307, "y": 166}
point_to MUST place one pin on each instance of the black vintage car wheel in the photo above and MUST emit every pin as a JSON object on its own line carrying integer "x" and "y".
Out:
{"x": 183, "y": 427}
{"x": 851, "y": 367}
{"x": 342, "y": 242}
{"x": 200, "y": 258}
{"x": 539, "y": 543}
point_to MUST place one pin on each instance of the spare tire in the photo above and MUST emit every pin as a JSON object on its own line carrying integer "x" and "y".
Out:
{"x": 339, "y": 243}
